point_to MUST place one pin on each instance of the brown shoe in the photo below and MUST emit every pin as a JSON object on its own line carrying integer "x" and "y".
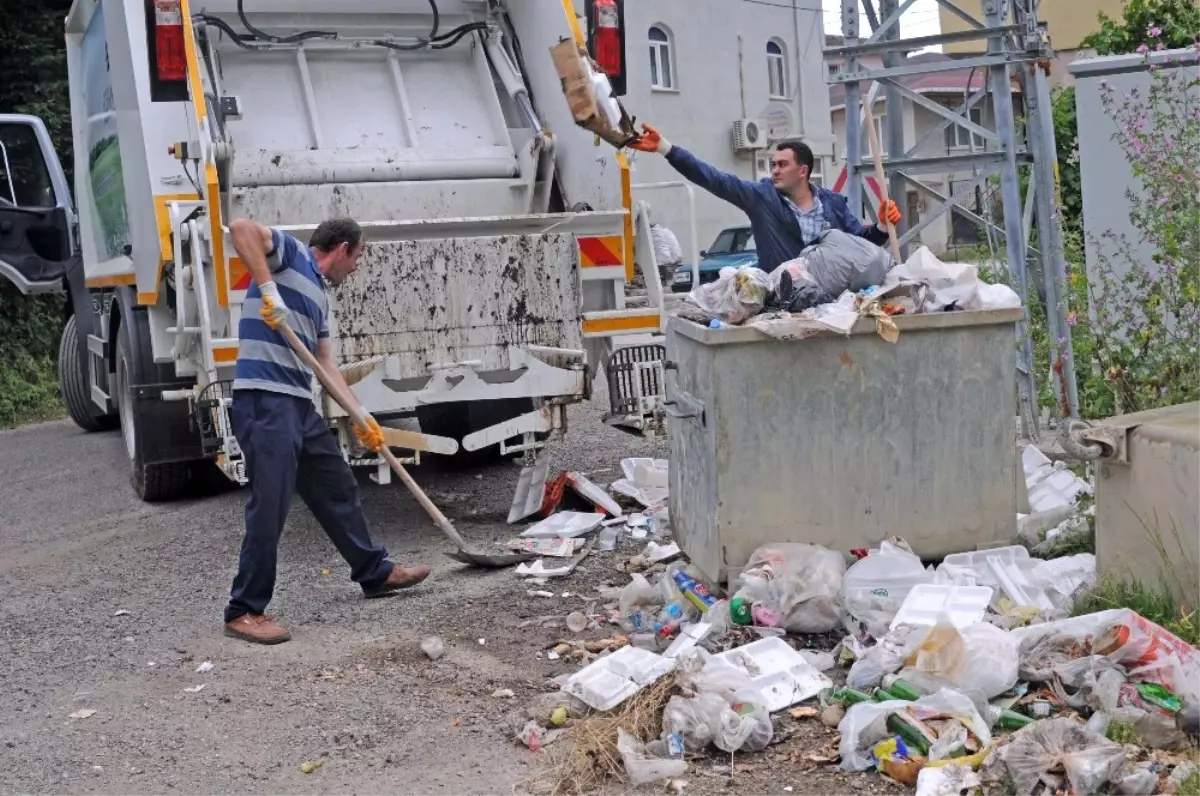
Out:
{"x": 401, "y": 578}
{"x": 258, "y": 628}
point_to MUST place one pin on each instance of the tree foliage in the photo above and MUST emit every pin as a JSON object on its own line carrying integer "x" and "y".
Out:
{"x": 33, "y": 80}
{"x": 1177, "y": 23}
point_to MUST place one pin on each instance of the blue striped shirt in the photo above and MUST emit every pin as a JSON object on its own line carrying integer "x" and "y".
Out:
{"x": 265, "y": 360}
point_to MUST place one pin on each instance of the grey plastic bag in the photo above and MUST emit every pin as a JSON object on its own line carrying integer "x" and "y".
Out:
{"x": 834, "y": 264}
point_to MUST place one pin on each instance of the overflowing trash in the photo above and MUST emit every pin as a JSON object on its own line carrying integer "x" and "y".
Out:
{"x": 836, "y": 281}
{"x": 968, "y": 676}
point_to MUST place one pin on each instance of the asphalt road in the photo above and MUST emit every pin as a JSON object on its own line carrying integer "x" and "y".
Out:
{"x": 352, "y": 689}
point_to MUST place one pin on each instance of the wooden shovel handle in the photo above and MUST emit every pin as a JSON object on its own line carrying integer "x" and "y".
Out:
{"x": 873, "y": 137}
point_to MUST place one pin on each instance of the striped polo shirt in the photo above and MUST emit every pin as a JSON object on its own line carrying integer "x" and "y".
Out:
{"x": 265, "y": 360}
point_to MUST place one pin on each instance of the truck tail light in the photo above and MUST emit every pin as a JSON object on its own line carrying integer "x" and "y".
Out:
{"x": 607, "y": 32}
{"x": 168, "y": 40}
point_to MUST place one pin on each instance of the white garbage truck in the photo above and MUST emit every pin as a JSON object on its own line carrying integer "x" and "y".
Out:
{"x": 499, "y": 235}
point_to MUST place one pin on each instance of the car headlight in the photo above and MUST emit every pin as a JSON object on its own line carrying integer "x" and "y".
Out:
{"x": 683, "y": 276}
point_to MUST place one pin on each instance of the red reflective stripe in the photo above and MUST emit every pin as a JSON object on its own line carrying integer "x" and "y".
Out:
{"x": 597, "y": 252}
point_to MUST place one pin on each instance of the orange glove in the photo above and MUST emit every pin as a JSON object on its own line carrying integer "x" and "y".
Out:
{"x": 651, "y": 141}
{"x": 371, "y": 437}
{"x": 888, "y": 213}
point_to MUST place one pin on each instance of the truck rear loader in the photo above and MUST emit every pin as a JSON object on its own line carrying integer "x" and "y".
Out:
{"x": 499, "y": 235}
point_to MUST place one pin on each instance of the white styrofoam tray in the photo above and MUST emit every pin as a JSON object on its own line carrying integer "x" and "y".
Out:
{"x": 608, "y": 682}
{"x": 965, "y": 605}
{"x": 565, "y": 524}
{"x": 976, "y": 558}
{"x": 783, "y": 675}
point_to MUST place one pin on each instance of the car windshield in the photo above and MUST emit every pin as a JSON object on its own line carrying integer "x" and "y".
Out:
{"x": 733, "y": 241}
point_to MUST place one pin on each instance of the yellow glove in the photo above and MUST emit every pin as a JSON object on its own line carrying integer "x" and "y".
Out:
{"x": 274, "y": 312}
{"x": 371, "y": 437}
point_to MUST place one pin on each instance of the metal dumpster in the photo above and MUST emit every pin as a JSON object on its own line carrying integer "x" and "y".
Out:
{"x": 843, "y": 441}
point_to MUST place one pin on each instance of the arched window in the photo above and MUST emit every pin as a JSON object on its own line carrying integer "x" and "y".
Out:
{"x": 777, "y": 71}
{"x": 662, "y": 64}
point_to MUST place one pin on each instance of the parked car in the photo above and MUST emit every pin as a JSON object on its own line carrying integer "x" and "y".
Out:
{"x": 734, "y": 248}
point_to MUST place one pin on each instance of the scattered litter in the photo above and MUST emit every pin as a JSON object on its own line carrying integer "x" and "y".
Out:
{"x": 85, "y": 713}
{"x": 195, "y": 689}
{"x": 951, "y": 780}
{"x": 482, "y": 641}
{"x": 645, "y": 481}
{"x": 791, "y": 585}
{"x": 121, "y": 612}
{"x": 207, "y": 666}
{"x": 503, "y": 693}
{"x": 917, "y": 723}
{"x": 875, "y": 587}
{"x": 593, "y": 493}
{"x": 537, "y": 737}
{"x": 656, "y": 552}
{"x": 689, "y": 636}
{"x": 804, "y": 712}
{"x": 782, "y": 675}
{"x": 832, "y": 716}
{"x": 539, "y": 570}
{"x": 555, "y": 548}
{"x": 309, "y": 766}
{"x": 1046, "y": 750}
{"x": 964, "y": 605}
{"x": 564, "y": 525}
{"x": 539, "y": 593}
{"x": 1050, "y": 485}
{"x": 611, "y": 680}
{"x": 577, "y": 622}
{"x": 433, "y": 647}
{"x": 981, "y": 657}
{"x": 326, "y": 572}
{"x": 640, "y": 766}
{"x": 821, "y": 661}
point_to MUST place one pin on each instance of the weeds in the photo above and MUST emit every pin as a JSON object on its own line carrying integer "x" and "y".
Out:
{"x": 1171, "y": 603}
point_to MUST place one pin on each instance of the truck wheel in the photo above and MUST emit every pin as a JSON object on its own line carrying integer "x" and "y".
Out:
{"x": 76, "y": 392}
{"x": 151, "y": 482}
{"x": 457, "y": 420}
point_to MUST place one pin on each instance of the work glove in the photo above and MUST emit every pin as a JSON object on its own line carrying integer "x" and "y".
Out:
{"x": 371, "y": 437}
{"x": 888, "y": 213}
{"x": 274, "y": 312}
{"x": 651, "y": 141}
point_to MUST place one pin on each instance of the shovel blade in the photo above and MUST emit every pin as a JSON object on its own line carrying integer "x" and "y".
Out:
{"x": 489, "y": 560}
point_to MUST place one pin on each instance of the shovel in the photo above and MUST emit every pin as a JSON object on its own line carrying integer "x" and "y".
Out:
{"x": 880, "y": 176}
{"x": 350, "y": 405}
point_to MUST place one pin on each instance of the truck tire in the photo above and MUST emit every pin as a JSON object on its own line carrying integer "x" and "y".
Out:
{"x": 457, "y": 420}
{"x": 151, "y": 482}
{"x": 76, "y": 392}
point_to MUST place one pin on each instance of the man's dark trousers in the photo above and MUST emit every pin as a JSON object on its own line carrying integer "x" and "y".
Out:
{"x": 289, "y": 448}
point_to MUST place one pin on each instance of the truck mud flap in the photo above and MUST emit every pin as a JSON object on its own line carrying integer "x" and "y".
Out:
{"x": 636, "y": 388}
{"x": 175, "y": 437}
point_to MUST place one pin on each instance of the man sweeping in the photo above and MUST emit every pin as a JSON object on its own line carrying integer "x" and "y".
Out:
{"x": 786, "y": 211}
{"x": 288, "y": 447}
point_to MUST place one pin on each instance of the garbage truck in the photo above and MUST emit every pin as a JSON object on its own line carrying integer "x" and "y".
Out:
{"x": 499, "y": 234}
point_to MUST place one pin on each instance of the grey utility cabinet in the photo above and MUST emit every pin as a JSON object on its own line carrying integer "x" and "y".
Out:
{"x": 843, "y": 441}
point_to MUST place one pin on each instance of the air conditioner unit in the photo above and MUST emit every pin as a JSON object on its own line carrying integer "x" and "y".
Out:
{"x": 748, "y": 135}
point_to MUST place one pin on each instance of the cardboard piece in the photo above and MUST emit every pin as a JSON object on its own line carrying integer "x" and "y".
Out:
{"x": 573, "y": 64}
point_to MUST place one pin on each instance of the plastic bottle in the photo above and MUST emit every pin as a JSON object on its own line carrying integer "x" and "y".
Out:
{"x": 695, "y": 591}
{"x": 715, "y": 323}
{"x": 740, "y": 611}
{"x": 672, "y": 612}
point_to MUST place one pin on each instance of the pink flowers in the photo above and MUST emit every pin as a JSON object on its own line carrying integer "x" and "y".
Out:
{"x": 1154, "y": 31}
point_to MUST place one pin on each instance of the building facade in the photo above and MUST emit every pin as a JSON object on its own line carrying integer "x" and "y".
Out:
{"x": 1068, "y": 22}
{"x": 695, "y": 67}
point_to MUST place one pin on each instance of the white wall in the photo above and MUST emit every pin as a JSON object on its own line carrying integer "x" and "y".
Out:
{"x": 699, "y": 114}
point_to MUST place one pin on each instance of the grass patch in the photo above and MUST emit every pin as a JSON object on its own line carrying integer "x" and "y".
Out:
{"x": 1171, "y": 603}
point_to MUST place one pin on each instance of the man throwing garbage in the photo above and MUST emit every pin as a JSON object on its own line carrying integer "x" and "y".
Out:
{"x": 787, "y": 213}
{"x": 288, "y": 446}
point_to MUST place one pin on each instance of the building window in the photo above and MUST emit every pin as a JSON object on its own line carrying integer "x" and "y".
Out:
{"x": 662, "y": 67}
{"x": 815, "y": 177}
{"x": 835, "y": 70}
{"x": 960, "y": 137}
{"x": 777, "y": 71}
{"x": 880, "y": 128}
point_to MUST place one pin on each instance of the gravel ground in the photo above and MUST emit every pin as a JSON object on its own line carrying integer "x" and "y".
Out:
{"x": 352, "y": 689}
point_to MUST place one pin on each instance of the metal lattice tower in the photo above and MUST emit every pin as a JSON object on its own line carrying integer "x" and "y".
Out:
{"x": 1017, "y": 45}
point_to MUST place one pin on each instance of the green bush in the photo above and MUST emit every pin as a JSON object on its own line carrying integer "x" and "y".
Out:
{"x": 29, "y": 331}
